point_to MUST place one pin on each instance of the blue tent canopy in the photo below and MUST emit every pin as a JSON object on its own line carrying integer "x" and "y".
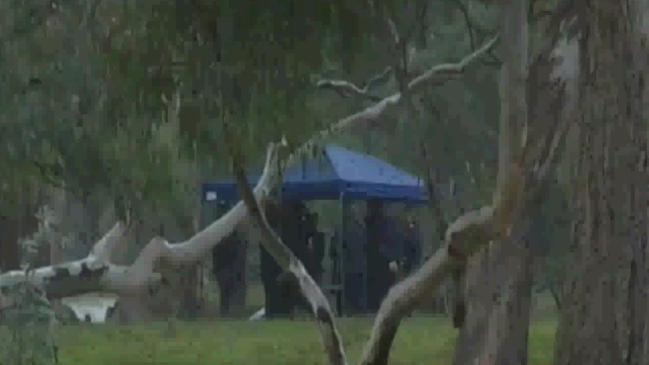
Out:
{"x": 337, "y": 172}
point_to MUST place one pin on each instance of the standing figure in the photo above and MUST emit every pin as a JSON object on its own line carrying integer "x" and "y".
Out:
{"x": 355, "y": 262}
{"x": 294, "y": 232}
{"x": 270, "y": 273}
{"x": 315, "y": 248}
{"x": 228, "y": 267}
{"x": 412, "y": 245}
{"x": 378, "y": 272}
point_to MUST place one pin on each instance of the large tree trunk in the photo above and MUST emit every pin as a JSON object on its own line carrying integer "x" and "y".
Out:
{"x": 498, "y": 297}
{"x": 605, "y": 310}
{"x": 499, "y": 278}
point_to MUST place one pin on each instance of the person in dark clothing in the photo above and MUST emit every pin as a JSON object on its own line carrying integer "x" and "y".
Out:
{"x": 270, "y": 271}
{"x": 318, "y": 243}
{"x": 391, "y": 239}
{"x": 355, "y": 263}
{"x": 412, "y": 245}
{"x": 315, "y": 248}
{"x": 378, "y": 272}
{"x": 333, "y": 257}
{"x": 392, "y": 249}
{"x": 296, "y": 230}
{"x": 228, "y": 267}
{"x": 336, "y": 272}
{"x": 224, "y": 259}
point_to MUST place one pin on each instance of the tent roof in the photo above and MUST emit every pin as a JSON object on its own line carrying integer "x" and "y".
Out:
{"x": 336, "y": 171}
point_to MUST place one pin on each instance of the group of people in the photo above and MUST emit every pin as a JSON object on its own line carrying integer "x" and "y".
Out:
{"x": 377, "y": 251}
{"x": 391, "y": 249}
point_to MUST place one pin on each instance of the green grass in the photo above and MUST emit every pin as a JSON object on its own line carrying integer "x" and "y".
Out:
{"x": 420, "y": 340}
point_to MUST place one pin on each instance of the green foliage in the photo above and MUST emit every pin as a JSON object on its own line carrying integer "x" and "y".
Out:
{"x": 28, "y": 338}
{"x": 87, "y": 85}
{"x": 49, "y": 231}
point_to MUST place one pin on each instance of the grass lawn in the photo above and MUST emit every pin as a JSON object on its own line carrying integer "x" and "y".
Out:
{"x": 420, "y": 340}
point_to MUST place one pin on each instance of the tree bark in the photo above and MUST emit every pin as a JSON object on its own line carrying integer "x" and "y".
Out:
{"x": 604, "y": 314}
{"x": 499, "y": 278}
{"x": 499, "y": 284}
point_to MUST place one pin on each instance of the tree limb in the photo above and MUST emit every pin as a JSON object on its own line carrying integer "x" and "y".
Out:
{"x": 433, "y": 196}
{"x": 346, "y": 88}
{"x": 436, "y": 75}
{"x": 520, "y": 186}
{"x": 274, "y": 244}
{"x": 88, "y": 274}
{"x": 463, "y": 237}
{"x": 442, "y": 72}
{"x": 195, "y": 248}
{"x": 392, "y": 28}
{"x": 556, "y": 296}
{"x": 96, "y": 272}
{"x": 471, "y": 29}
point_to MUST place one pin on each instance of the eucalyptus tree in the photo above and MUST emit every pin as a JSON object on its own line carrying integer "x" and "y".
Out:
{"x": 604, "y": 315}
{"x": 184, "y": 45}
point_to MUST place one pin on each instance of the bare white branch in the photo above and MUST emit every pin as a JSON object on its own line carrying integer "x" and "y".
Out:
{"x": 346, "y": 88}
{"x": 440, "y": 73}
{"x": 515, "y": 192}
{"x": 97, "y": 273}
{"x": 274, "y": 244}
{"x": 434, "y": 76}
{"x": 104, "y": 248}
{"x": 463, "y": 237}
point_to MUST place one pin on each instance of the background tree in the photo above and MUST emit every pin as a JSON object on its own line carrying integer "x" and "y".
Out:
{"x": 604, "y": 313}
{"x": 115, "y": 109}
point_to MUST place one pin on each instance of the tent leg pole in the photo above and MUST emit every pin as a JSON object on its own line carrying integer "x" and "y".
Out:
{"x": 341, "y": 256}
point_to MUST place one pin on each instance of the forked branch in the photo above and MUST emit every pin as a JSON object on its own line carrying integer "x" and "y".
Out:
{"x": 346, "y": 88}
{"x": 97, "y": 273}
{"x": 523, "y": 182}
{"x": 434, "y": 76}
{"x": 440, "y": 73}
{"x": 274, "y": 244}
